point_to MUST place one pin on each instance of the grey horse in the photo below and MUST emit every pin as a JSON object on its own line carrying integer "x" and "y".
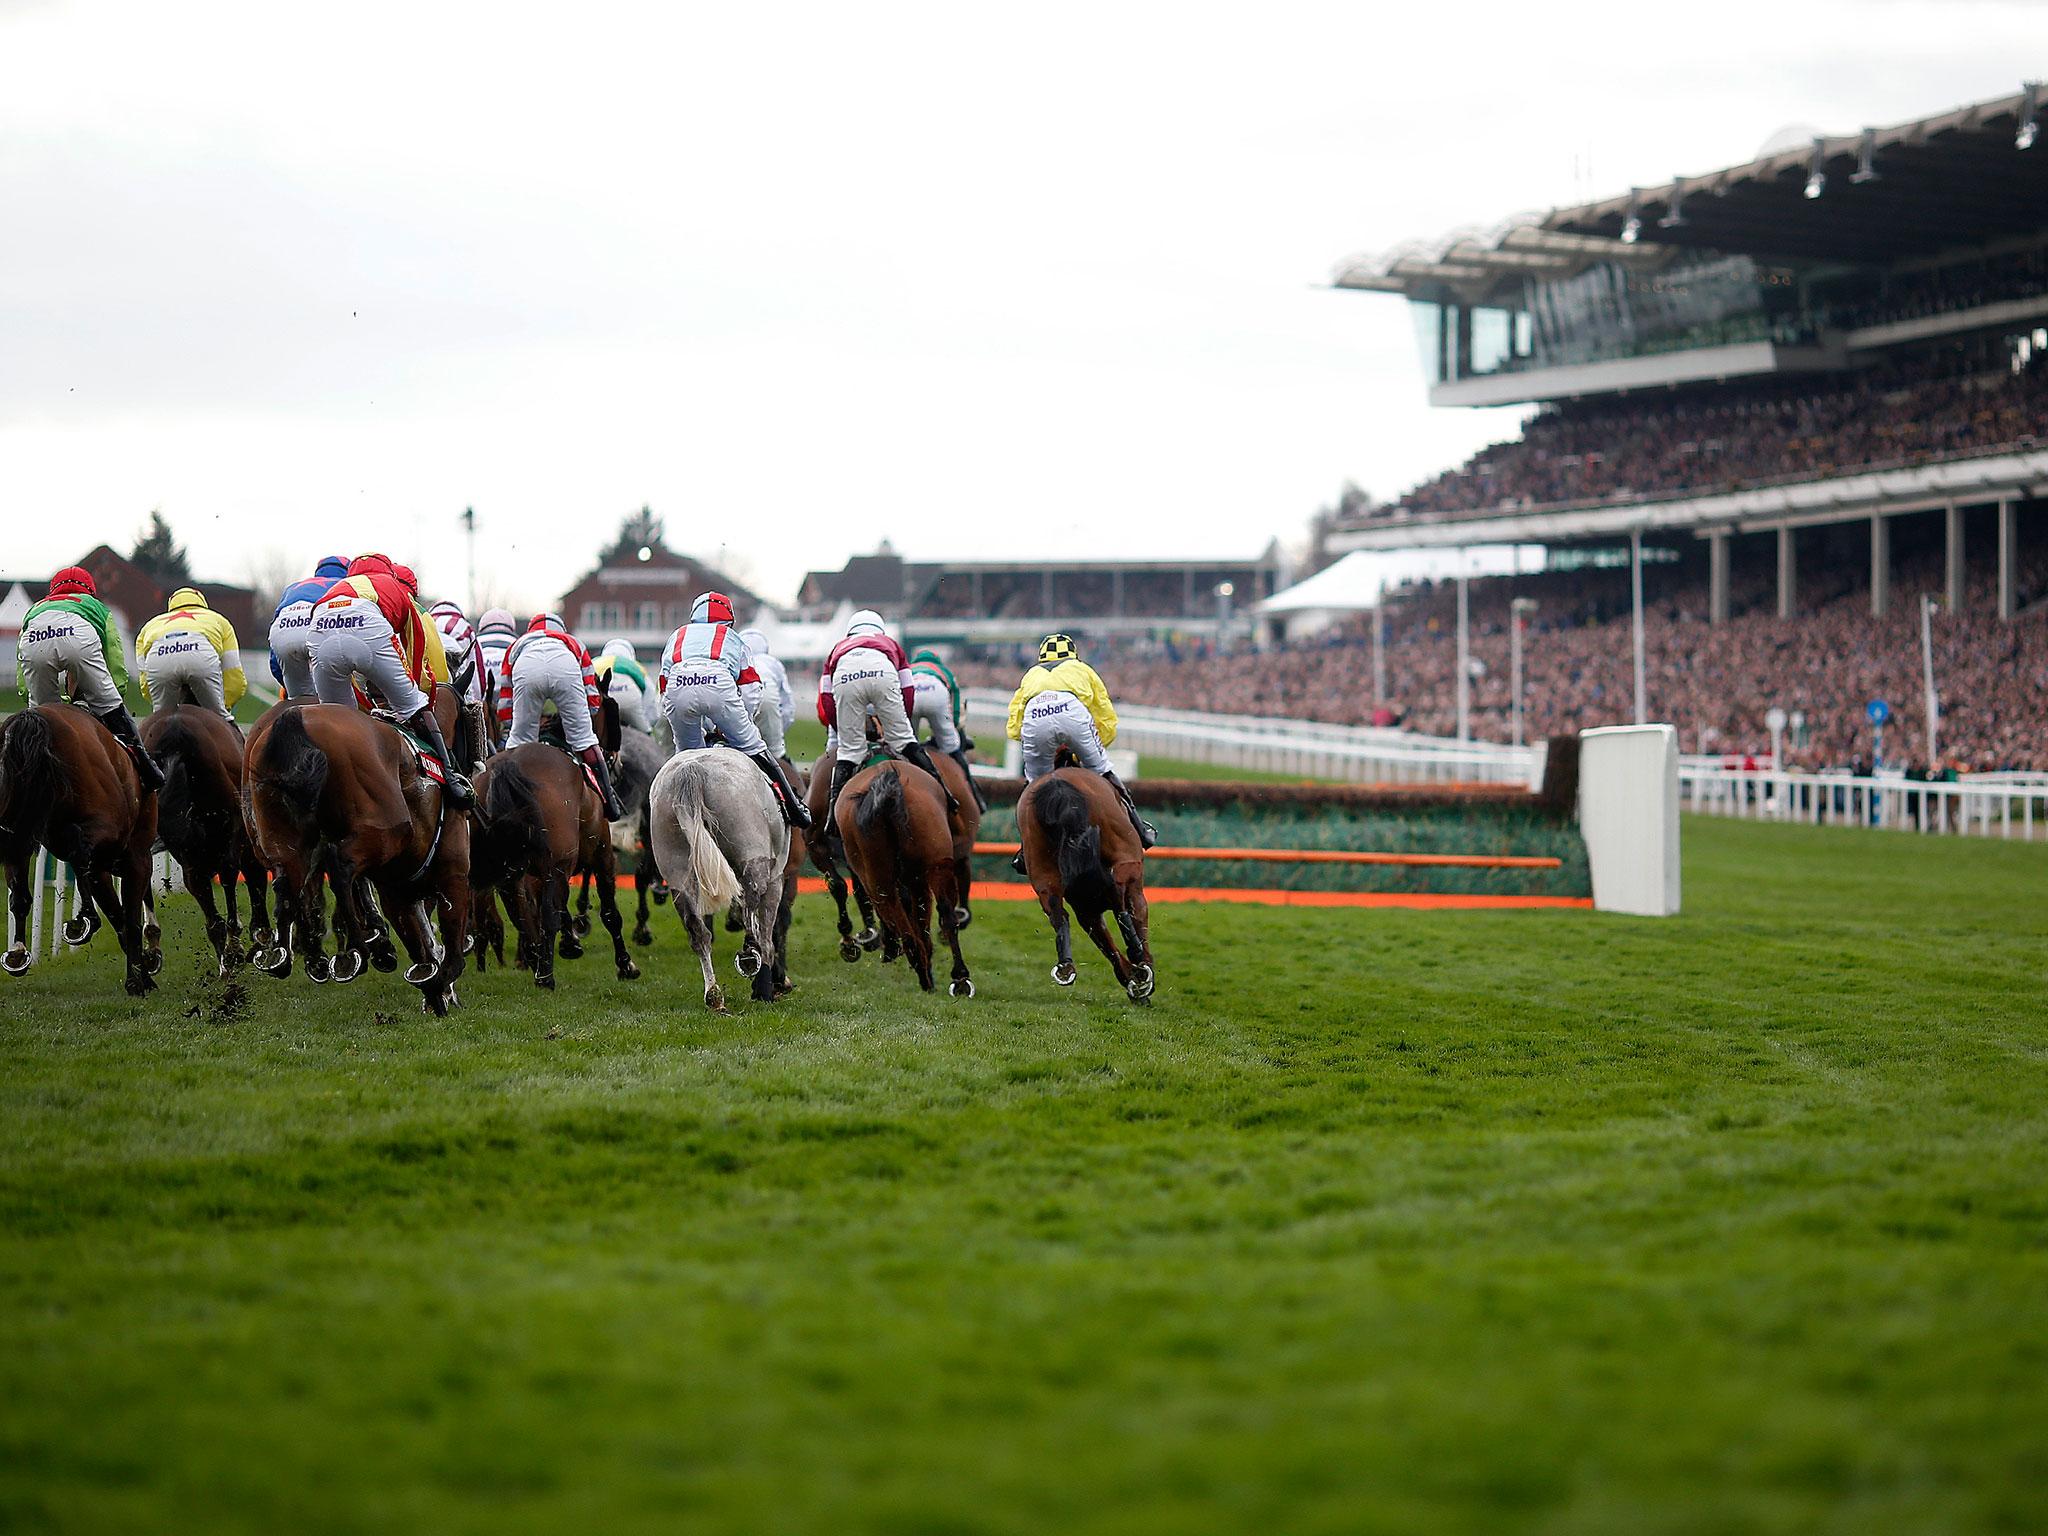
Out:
{"x": 719, "y": 838}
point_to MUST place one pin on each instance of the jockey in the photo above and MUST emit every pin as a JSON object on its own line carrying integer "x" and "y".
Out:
{"x": 1062, "y": 701}
{"x": 936, "y": 701}
{"x": 546, "y": 665}
{"x": 190, "y": 653}
{"x": 435, "y": 646}
{"x": 868, "y": 674}
{"x": 629, "y": 682}
{"x": 704, "y": 667}
{"x": 367, "y": 624}
{"x": 70, "y": 633}
{"x": 495, "y": 632}
{"x": 291, "y": 628}
{"x": 772, "y": 704}
{"x": 465, "y": 659}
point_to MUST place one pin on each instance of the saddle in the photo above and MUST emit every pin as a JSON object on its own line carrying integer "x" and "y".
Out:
{"x": 429, "y": 762}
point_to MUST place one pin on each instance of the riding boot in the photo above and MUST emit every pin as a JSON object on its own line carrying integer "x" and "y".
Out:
{"x": 959, "y": 755}
{"x": 594, "y": 756}
{"x": 1147, "y": 835}
{"x": 122, "y": 724}
{"x": 794, "y": 811}
{"x": 456, "y": 787}
{"x": 841, "y": 772}
{"x": 921, "y": 755}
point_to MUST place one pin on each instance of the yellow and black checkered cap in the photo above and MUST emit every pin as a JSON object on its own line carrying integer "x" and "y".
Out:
{"x": 1054, "y": 649}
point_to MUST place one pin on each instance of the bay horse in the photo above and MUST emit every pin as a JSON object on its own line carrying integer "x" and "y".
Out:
{"x": 719, "y": 838}
{"x": 892, "y": 820}
{"x": 538, "y": 822}
{"x": 828, "y": 854}
{"x": 328, "y": 787}
{"x": 1081, "y": 851}
{"x": 67, "y": 784}
{"x": 965, "y": 825}
{"x": 199, "y": 818}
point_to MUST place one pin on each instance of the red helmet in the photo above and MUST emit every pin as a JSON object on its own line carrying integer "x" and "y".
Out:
{"x": 73, "y": 581}
{"x": 406, "y": 579}
{"x": 373, "y": 565}
{"x": 711, "y": 608}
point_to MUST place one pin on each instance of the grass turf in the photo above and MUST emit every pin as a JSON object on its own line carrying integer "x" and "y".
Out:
{"x": 1375, "y": 1222}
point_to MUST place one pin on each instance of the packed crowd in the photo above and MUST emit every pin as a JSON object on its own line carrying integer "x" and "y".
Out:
{"x": 1716, "y": 683}
{"x": 1901, "y": 413}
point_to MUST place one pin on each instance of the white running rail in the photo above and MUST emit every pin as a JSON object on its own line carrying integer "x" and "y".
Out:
{"x": 1985, "y": 805}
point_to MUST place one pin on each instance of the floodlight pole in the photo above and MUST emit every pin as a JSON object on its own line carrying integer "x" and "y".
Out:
{"x": 1635, "y": 573}
{"x": 1516, "y": 610}
{"x": 1464, "y": 657}
{"x": 1927, "y": 607}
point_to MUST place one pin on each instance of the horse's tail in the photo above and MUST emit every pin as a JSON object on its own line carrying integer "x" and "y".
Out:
{"x": 28, "y": 773}
{"x": 882, "y": 806}
{"x": 712, "y": 883}
{"x": 510, "y": 835}
{"x": 296, "y": 769}
{"x": 1062, "y": 813}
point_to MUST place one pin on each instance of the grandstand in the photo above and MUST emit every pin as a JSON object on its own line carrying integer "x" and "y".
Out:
{"x": 1004, "y": 602}
{"x": 1799, "y": 394}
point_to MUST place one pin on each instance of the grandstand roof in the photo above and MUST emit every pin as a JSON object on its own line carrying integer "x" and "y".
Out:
{"x": 1967, "y": 177}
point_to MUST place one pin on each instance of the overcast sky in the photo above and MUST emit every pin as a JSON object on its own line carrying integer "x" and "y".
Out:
{"x": 987, "y": 281}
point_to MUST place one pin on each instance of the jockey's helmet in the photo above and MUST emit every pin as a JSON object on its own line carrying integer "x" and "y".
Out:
{"x": 866, "y": 622}
{"x": 188, "y": 597}
{"x": 711, "y": 608}
{"x": 926, "y": 653}
{"x": 548, "y": 621}
{"x": 447, "y": 608}
{"x": 331, "y": 565}
{"x": 620, "y": 648}
{"x": 1054, "y": 649}
{"x": 755, "y": 641}
{"x": 373, "y": 565}
{"x": 497, "y": 618}
{"x": 406, "y": 579}
{"x": 73, "y": 581}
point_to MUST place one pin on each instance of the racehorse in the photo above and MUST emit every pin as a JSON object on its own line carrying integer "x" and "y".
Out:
{"x": 329, "y": 787}
{"x": 638, "y": 760}
{"x": 538, "y": 821}
{"x": 719, "y": 836}
{"x": 965, "y": 825}
{"x": 892, "y": 820}
{"x": 1082, "y": 852}
{"x": 66, "y": 783}
{"x": 199, "y": 817}
{"x": 827, "y": 854}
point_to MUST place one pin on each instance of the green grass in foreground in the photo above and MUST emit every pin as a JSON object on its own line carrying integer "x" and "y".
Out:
{"x": 1378, "y": 1221}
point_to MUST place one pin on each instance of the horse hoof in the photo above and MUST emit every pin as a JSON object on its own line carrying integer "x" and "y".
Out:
{"x": 78, "y": 929}
{"x": 15, "y": 961}
{"x": 642, "y": 936}
{"x": 870, "y": 939}
{"x": 569, "y": 949}
{"x": 275, "y": 961}
{"x": 747, "y": 963}
{"x": 714, "y": 999}
{"x": 849, "y": 951}
{"x": 384, "y": 957}
{"x": 581, "y": 927}
{"x": 1140, "y": 984}
{"x": 629, "y": 972}
{"x": 348, "y": 965}
{"x": 261, "y": 938}
{"x": 152, "y": 962}
{"x": 320, "y": 970}
{"x": 961, "y": 918}
{"x": 545, "y": 979}
{"x": 964, "y": 987}
{"x": 152, "y": 935}
{"x": 138, "y": 984}
{"x": 420, "y": 972}
{"x": 658, "y": 894}
{"x": 1063, "y": 973}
